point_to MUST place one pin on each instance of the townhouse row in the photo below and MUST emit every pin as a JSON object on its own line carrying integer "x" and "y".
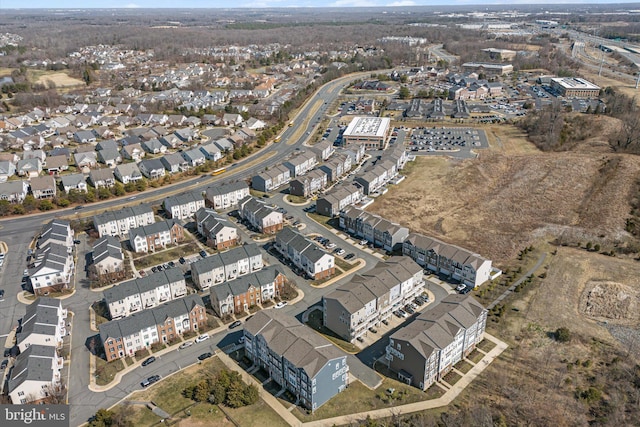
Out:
{"x": 35, "y": 373}
{"x": 295, "y": 357}
{"x": 425, "y": 350}
{"x": 261, "y": 217}
{"x": 371, "y": 297}
{"x": 314, "y": 262}
{"x": 161, "y": 324}
{"x": 52, "y": 265}
{"x": 218, "y": 268}
{"x": 432, "y": 254}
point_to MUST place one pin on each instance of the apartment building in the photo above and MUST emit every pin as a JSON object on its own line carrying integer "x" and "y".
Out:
{"x": 237, "y": 296}
{"x": 426, "y": 349}
{"x": 260, "y": 216}
{"x": 155, "y": 236}
{"x": 145, "y": 292}
{"x": 117, "y": 223}
{"x": 184, "y": 205}
{"x": 369, "y": 298}
{"x": 304, "y": 254}
{"x": 164, "y": 323}
{"x": 219, "y": 232}
{"x": 227, "y": 195}
{"x": 296, "y": 358}
{"x": 373, "y": 228}
{"x": 228, "y": 265}
{"x": 448, "y": 260}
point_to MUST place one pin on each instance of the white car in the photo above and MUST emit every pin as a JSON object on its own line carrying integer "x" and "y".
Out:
{"x": 331, "y": 245}
{"x": 185, "y": 344}
{"x": 341, "y": 252}
{"x": 281, "y": 304}
{"x": 202, "y": 337}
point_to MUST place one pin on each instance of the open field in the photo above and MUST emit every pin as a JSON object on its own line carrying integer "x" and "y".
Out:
{"x": 513, "y": 195}
{"x": 59, "y": 79}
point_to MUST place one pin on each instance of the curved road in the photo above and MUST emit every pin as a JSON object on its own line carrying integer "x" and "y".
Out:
{"x": 18, "y": 232}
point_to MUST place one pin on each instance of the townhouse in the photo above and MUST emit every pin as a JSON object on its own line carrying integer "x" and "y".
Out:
{"x": 260, "y": 216}
{"x": 304, "y": 254}
{"x": 219, "y": 232}
{"x": 164, "y": 323}
{"x": 118, "y": 223}
{"x": 184, "y": 205}
{"x": 53, "y": 267}
{"x": 107, "y": 256}
{"x": 227, "y": 195}
{"x": 376, "y": 177}
{"x": 271, "y": 179}
{"x": 145, "y": 292}
{"x": 426, "y": 349}
{"x": 449, "y": 260}
{"x": 323, "y": 150}
{"x": 56, "y": 231}
{"x": 373, "y": 228}
{"x": 157, "y": 235}
{"x": 336, "y": 167}
{"x": 34, "y": 375}
{"x": 237, "y": 296}
{"x": 338, "y": 198}
{"x": 43, "y": 187}
{"x": 301, "y": 164}
{"x": 311, "y": 183}
{"x": 369, "y": 298}
{"x": 44, "y": 323}
{"x": 223, "y": 266}
{"x": 295, "y": 357}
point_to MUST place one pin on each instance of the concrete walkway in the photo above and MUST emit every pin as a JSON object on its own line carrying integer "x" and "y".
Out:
{"x": 517, "y": 282}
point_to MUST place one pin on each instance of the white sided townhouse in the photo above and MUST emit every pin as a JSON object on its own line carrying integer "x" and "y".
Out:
{"x": 426, "y": 349}
{"x": 34, "y": 375}
{"x": 446, "y": 259}
{"x": 227, "y": 195}
{"x": 223, "y": 266}
{"x": 304, "y": 254}
{"x": 369, "y": 298}
{"x": 301, "y": 164}
{"x": 271, "y": 179}
{"x": 52, "y": 269}
{"x": 145, "y": 292}
{"x": 43, "y": 324}
{"x": 184, "y": 205}
{"x": 118, "y": 223}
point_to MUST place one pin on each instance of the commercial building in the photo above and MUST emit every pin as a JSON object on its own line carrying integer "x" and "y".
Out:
{"x": 371, "y": 132}
{"x": 575, "y": 87}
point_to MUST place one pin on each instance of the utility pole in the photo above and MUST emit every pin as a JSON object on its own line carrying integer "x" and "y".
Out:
{"x": 601, "y": 63}
{"x": 638, "y": 80}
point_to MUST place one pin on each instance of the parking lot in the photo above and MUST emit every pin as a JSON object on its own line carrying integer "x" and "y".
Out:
{"x": 442, "y": 140}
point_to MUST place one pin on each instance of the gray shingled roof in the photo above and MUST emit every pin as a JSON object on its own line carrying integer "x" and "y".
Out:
{"x": 226, "y": 188}
{"x": 105, "y": 247}
{"x": 142, "y": 284}
{"x": 240, "y": 285}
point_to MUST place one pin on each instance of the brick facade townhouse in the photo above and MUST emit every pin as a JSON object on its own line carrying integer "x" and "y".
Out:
{"x": 183, "y": 206}
{"x": 239, "y": 295}
{"x": 118, "y": 223}
{"x": 227, "y": 195}
{"x": 295, "y": 357}
{"x": 425, "y": 350}
{"x": 260, "y": 216}
{"x": 228, "y": 265}
{"x": 164, "y": 323}
{"x": 369, "y": 298}
{"x": 149, "y": 238}
{"x": 219, "y": 232}
{"x": 304, "y": 254}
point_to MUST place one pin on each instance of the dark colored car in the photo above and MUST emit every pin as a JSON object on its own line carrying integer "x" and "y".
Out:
{"x": 349, "y": 256}
{"x": 203, "y": 254}
{"x": 1, "y": 293}
{"x": 151, "y": 380}
{"x": 4, "y": 364}
{"x": 148, "y": 361}
{"x": 204, "y": 356}
{"x": 235, "y": 324}
{"x": 182, "y": 260}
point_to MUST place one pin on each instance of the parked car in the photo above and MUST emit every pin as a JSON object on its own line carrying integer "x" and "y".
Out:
{"x": 1, "y": 294}
{"x": 466, "y": 290}
{"x": 4, "y": 363}
{"x": 202, "y": 337}
{"x": 204, "y": 356}
{"x": 182, "y": 260}
{"x": 148, "y": 361}
{"x": 331, "y": 245}
{"x": 160, "y": 268}
{"x": 235, "y": 324}
{"x": 76, "y": 242}
{"x": 281, "y": 304}
{"x": 154, "y": 269}
{"x": 363, "y": 242}
{"x": 203, "y": 253}
{"x": 185, "y": 344}
{"x": 460, "y": 287}
{"x": 151, "y": 380}
{"x": 403, "y": 313}
{"x": 349, "y": 256}
{"x": 340, "y": 252}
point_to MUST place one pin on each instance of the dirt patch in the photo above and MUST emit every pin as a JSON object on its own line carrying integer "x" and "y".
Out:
{"x": 58, "y": 80}
{"x": 609, "y": 300}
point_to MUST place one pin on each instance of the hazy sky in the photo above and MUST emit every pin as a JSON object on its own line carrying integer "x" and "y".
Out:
{"x": 84, "y": 4}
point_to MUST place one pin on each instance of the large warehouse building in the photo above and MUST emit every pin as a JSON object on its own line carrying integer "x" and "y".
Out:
{"x": 371, "y": 132}
{"x": 575, "y": 87}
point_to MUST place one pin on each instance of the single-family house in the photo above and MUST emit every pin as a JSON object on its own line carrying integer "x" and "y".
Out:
{"x": 194, "y": 157}
{"x": 152, "y": 168}
{"x": 43, "y": 187}
{"x": 75, "y": 181}
{"x": 127, "y": 172}
{"x": 133, "y": 152}
{"x": 29, "y": 167}
{"x": 14, "y": 191}
{"x": 102, "y": 178}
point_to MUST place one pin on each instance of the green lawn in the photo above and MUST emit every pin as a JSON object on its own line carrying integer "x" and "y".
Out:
{"x": 344, "y": 265}
{"x": 106, "y": 371}
{"x": 257, "y": 415}
{"x": 296, "y": 199}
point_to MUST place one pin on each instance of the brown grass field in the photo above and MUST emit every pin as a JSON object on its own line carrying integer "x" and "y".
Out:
{"x": 57, "y": 78}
